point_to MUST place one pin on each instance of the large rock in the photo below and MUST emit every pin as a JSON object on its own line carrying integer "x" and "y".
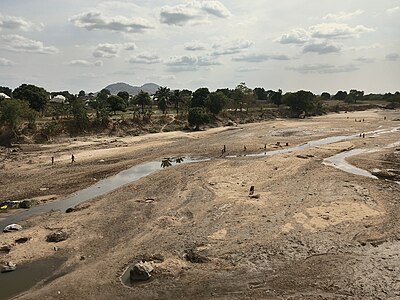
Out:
{"x": 57, "y": 236}
{"x": 12, "y": 227}
{"x": 141, "y": 271}
{"x": 8, "y": 267}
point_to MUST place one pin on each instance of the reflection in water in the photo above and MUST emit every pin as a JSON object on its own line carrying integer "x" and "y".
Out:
{"x": 168, "y": 161}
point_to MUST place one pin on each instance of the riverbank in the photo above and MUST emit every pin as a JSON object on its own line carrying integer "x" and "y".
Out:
{"x": 310, "y": 232}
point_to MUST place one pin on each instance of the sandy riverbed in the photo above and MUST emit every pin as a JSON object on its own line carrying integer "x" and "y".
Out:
{"x": 315, "y": 232}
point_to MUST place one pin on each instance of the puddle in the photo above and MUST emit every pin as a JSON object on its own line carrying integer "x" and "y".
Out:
{"x": 100, "y": 188}
{"x": 339, "y": 161}
{"x": 26, "y": 276}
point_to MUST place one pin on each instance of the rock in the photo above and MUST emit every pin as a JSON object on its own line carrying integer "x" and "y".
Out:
{"x": 231, "y": 123}
{"x": 77, "y": 208}
{"x": 302, "y": 156}
{"x": 384, "y": 174}
{"x": 57, "y": 236}
{"x": 141, "y": 271}
{"x": 25, "y": 204}
{"x": 12, "y": 227}
{"x": 22, "y": 240}
{"x": 6, "y": 248}
{"x": 8, "y": 267}
{"x": 194, "y": 257}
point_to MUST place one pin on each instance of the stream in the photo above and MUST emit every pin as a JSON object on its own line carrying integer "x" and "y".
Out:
{"x": 139, "y": 171}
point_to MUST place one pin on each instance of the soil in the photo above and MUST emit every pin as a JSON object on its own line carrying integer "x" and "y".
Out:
{"x": 313, "y": 232}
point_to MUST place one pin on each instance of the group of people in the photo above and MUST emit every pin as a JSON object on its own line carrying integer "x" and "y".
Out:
{"x": 72, "y": 159}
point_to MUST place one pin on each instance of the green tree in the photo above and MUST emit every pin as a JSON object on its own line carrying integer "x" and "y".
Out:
{"x": 243, "y": 96}
{"x": 37, "y": 97}
{"x": 6, "y": 90}
{"x": 276, "y": 97}
{"x": 199, "y": 97}
{"x": 162, "y": 96}
{"x": 81, "y": 119}
{"x": 216, "y": 102}
{"x": 357, "y": 95}
{"x": 14, "y": 111}
{"x": 116, "y": 103}
{"x": 325, "y": 96}
{"x": 143, "y": 99}
{"x": 197, "y": 116}
{"x": 124, "y": 95}
{"x": 303, "y": 102}
{"x": 340, "y": 95}
{"x": 81, "y": 94}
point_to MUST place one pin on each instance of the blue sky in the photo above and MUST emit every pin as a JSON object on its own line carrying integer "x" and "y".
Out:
{"x": 312, "y": 45}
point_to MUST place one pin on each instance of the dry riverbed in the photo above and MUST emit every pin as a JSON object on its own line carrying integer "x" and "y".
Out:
{"x": 310, "y": 232}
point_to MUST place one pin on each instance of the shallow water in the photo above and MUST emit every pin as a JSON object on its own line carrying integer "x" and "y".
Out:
{"x": 339, "y": 161}
{"x": 100, "y": 188}
{"x": 26, "y": 276}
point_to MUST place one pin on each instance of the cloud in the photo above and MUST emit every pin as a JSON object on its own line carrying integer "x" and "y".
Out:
{"x": 18, "y": 23}
{"x": 392, "y": 57}
{"x": 337, "y": 31}
{"x": 194, "y": 46}
{"x": 365, "y": 60}
{"x": 112, "y": 50}
{"x": 343, "y": 15}
{"x": 190, "y": 63}
{"x": 17, "y": 43}
{"x": 295, "y": 36}
{"x": 234, "y": 48}
{"x": 324, "y": 69}
{"x": 95, "y": 20}
{"x": 393, "y": 10}
{"x": 215, "y": 8}
{"x": 321, "y": 48}
{"x": 145, "y": 58}
{"x": 4, "y": 62}
{"x": 85, "y": 63}
{"x": 192, "y": 11}
{"x": 256, "y": 58}
{"x": 246, "y": 69}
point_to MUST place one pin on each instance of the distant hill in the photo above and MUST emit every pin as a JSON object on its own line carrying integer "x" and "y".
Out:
{"x": 115, "y": 88}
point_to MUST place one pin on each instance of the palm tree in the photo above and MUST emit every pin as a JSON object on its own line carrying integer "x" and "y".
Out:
{"x": 163, "y": 95}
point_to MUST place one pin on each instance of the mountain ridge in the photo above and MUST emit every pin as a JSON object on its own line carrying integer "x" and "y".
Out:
{"x": 117, "y": 87}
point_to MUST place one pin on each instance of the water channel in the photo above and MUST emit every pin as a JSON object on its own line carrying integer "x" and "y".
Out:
{"x": 139, "y": 171}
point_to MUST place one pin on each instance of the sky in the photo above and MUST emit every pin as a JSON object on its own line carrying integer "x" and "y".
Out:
{"x": 316, "y": 45}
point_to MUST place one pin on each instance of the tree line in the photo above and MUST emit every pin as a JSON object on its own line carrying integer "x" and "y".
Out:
{"x": 28, "y": 102}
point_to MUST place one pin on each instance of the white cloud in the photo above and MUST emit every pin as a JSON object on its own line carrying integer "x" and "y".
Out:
{"x": 246, "y": 69}
{"x": 324, "y": 68}
{"x": 256, "y": 58}
{"x": 191, "y": 11}
{"x": 190, "y": 63}
{"x": 194, "y": 46}
{"x": 96, "y": 20}
{"x": 215, "y": 8}
{"x": 233, "y": 48}
{"x": 393, "y": 10}
{"x": 18, "y": 23}
{"x": 85, "y": 63}
{"x": 4, "y": 62}
{"x": 337, "y": 31}
{"x": 112, "y": 50}
{"x": 145, "y": 58}
{"x": 365, "y": 60}
{"x": 17, "y": 43}
{"x": 343, "y": 15}
{"x": 323, "y": 47}
{"x": 295, "y": 36}
{"x": 392, "y": 57}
